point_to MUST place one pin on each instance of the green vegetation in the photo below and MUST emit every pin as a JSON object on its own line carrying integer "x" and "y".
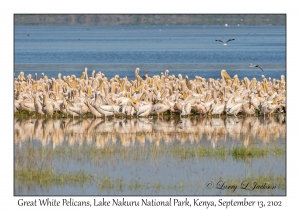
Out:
{"x": 58, "y": 115}
{"x": 47, "y": 178}
{"x": 34, "y": 166}
{"x": 152, "y": 19}
{"x": 140, "y": 153}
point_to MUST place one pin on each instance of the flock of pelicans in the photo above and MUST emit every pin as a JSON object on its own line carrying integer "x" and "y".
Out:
{"x": 148, "y": 96}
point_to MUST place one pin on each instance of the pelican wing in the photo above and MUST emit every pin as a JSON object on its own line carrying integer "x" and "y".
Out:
{"x": 218, "y": 109}
{"x": 229, "y": 40}
{"x": 77, "y": 110}
{"x": 27, "y": 105}
{"x": 259, "y": 67}
{"x": 235, "y": 108}
{"x": 143, "y": 109}
{"x": 107, "y": 108}
{"x": 158, "y": 106}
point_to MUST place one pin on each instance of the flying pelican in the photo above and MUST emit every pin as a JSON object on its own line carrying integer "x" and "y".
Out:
{"x": 251, "y": 65}
{"x": 224, "y": 43}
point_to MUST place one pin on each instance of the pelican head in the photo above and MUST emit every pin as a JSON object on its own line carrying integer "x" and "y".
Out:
{"x": 180, "y": 76}
{"x": 225, "y": 75}
{"x": 82, "y": 75}
{"x": 137, "y": 70}
{"x": 21, "y": 75}
{"x": 167, "y": 73}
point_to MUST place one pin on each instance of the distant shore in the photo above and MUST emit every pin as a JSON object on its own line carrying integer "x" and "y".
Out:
{"x": 153, "y": 19}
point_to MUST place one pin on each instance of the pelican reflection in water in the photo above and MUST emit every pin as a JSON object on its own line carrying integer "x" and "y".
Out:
{"x": 55, "y": 132}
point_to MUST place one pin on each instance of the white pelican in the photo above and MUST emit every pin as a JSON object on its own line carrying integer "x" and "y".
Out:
{"x": 70, "y": 109}
{"x": 186, "y": 109}
{"x": 224, "y": 43}
{"x": 248, "y": 109}
{"x": 143, "y": 110}
{"x": 200, "y": 108}
{"x": 94, "y": 111}
{"x": 48, "y": 106}
{"x": 219, "y": 107}
{"x": 108, "y": 110}
{"x": 161, "y": 107}
{"x": 128, "y": 110}
{"x": 235, "y": 109}
{"x": 27, "y": 104}
{"x": 269, "y": 108}
{"x": 38, "y": 105}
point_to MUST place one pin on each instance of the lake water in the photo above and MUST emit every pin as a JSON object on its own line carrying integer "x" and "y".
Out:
{"x": 186, "y": 50}
{"x": 149, "y": 156}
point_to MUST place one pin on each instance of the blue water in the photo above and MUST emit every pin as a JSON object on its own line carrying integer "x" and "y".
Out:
{"x": 188, "y": 50}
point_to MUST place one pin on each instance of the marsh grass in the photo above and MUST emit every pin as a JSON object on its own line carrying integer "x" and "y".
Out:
{"x": 223, "y": 152}
{"x": 48, "y": 178}
{"x": 24, "y": 114}
{"x": 142, "y": 153}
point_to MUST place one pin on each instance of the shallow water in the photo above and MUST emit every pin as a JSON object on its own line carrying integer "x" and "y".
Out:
{"x": 148, "y": 155}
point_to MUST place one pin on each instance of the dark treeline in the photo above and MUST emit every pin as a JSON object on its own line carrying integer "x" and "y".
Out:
{"x": 152, "y": 19}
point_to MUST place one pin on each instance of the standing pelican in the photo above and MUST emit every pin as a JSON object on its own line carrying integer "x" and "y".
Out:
{"x": 248, "y": 108}
{"x": 161, "y": 107}
{"x": 219, "y": 107}
{"x": 143, "y": 110}
{"x": 186, "y": 109}
{"x": 94, "y": 111}
{"x": 38, "y": 105}
{"x": 48, "y": 106}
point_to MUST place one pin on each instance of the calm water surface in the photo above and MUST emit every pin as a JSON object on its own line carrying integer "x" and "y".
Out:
{"x": 149, "y": 152}
{"x": 188, "y": 50}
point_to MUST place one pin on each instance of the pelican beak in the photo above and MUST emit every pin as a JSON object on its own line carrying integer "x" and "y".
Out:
{"x": 133, "y": 100}
{"x": 225, "y": 75}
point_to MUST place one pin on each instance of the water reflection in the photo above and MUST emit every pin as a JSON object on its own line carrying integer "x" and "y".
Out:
{"x": 216, "y": 131}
